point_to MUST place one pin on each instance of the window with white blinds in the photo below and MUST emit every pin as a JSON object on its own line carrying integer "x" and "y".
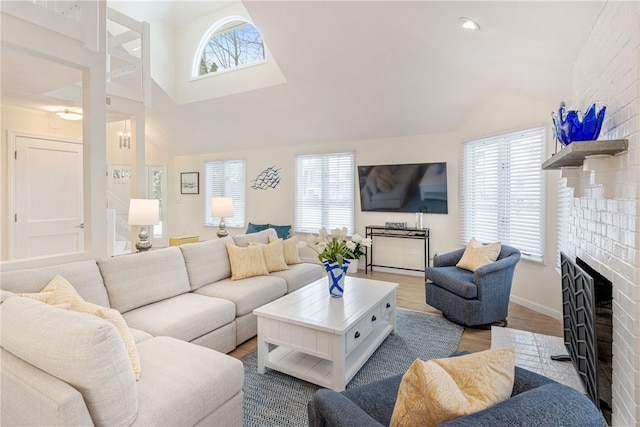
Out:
{"x": 225, "y": 178}
{"x": 325, "y": 195}
{"x": 502, "y": 191}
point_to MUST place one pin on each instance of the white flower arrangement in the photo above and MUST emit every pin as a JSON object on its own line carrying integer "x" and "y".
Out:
{"x": 335, "y": 247}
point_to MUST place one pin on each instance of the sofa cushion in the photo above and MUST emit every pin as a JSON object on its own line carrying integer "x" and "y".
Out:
{"x": 207, "y": 261}
{"x": 84, "y": 276}
{"x": 243, "y": 240}
{"x": 247, "y": 294}
{"x": 185, "y": 317}
{"x": 440, "y": 390}
{"x": 300, "y": 275}
{"x": 183, "y": 382}
{"x": 82, "y": 350}
{"x": 273, "y": 254}
{"x": 138, "y": 335}
{"x": 453, "y": 279}
{"x": 289, "y": 249}
{"x": 246, "y": 262}
{"x": 144, "y": 278}
{"x": 59, "y": 293}
{"x": 476, "y": 255}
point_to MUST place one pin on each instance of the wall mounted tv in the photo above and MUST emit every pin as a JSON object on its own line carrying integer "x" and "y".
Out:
{"x": 415, "y": 187}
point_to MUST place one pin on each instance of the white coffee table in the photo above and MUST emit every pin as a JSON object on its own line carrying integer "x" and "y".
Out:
{"x": 325, "y": 340}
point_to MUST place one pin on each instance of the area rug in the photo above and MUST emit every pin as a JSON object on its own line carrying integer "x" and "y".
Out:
{"x": 276, "y": 399}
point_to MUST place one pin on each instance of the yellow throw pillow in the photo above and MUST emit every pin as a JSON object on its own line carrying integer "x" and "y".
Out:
{"x": 476, "y": 255}
{"x": 441, "y": 390}
{"x": 60, "y": 293}
{"x": 273, "y": 254}
{"x": 246, "y": 262}
{"x": 290, "y": 250}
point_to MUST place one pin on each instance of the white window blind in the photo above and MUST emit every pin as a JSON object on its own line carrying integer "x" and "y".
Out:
{"x": 503, "y": 191}
{"x": 225, "y": 178}
{"x": 565, "y": 199}
{"x": 325, "y": 195}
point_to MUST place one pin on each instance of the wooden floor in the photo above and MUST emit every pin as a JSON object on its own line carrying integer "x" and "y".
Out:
{"x": 410, "y": 295}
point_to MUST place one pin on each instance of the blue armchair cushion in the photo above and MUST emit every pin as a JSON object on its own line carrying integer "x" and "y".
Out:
{"x": 454, "y": 279}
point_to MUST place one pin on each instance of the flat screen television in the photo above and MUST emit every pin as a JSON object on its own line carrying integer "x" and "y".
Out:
{"x": 414, "y": 187}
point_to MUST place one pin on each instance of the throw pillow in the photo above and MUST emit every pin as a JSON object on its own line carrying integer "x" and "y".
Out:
{"x": 440, "y": 390}
{"x": 246, "y": 262}
{"x": 60, "y": 293}
{"x": 290, "y": 250}
{"x": 254, "y": 228}
{"x": 476, "y": 255}
{"x": 385, "y": 180}
{"x": 281, "y": 230}
{"x": 273, "y": 254}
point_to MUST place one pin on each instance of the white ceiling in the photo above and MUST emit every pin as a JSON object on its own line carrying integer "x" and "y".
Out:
{"x": 374, "y": 69}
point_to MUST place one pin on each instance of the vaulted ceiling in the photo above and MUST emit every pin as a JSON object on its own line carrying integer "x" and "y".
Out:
{"x": 375, "y": 69}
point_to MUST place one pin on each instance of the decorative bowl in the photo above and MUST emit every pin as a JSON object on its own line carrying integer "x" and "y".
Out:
{"x": 572, "y": 125}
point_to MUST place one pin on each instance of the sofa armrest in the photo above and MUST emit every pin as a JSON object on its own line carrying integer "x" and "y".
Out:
{"x": 329, "y": 408}
{"x": 448, "y": 259}
{"x": 31, "y": 396}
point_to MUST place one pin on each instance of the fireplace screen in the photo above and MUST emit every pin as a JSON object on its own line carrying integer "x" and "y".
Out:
{"x": 578, "y": 310}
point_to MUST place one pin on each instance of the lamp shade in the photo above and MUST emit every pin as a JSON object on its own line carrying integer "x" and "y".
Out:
{"x": 221, "y": 206}
{"x": 144, "y": 211}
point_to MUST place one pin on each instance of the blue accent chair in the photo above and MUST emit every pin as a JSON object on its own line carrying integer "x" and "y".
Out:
{"x": 471, "y": 298}
{"x": 535, "y": 401}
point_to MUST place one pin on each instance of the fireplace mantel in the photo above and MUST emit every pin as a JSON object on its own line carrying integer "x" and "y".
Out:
{"x": 575, "y": 153}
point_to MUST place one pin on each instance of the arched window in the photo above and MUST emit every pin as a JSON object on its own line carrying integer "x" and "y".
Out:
{"x": 232, "y": 42}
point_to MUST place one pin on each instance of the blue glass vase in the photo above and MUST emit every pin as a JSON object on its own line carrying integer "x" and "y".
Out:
{"x": 571, "y": 125}
{"x": 336, "y": 274}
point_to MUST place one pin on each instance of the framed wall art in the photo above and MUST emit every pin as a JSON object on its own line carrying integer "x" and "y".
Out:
{"x": 190, "y": 183}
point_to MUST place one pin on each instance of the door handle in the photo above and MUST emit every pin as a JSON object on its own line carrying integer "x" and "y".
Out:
{"x": 80, "y": 226}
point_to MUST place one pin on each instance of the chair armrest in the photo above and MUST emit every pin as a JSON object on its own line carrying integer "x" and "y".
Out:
{"x": 448, "y": 259}
{"x": 500, "y": 264}
{"x": 549, "y": 405}
{"x": 525, "y": 380}
{"x": 329, "y": 408}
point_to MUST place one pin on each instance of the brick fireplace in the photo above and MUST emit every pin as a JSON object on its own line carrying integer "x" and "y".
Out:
{"x": 604, "y": 221}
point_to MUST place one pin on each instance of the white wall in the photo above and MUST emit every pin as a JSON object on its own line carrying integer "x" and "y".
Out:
{"x": 535, "y": 285}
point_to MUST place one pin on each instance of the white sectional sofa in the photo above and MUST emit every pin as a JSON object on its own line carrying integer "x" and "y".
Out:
{"x": 61, "y": 367}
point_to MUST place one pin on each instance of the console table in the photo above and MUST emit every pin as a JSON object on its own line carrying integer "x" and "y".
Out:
{"x": 372, "y": 231}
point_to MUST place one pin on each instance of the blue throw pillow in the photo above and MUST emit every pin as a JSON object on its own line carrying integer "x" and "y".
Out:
{"x": 281, "y": 230}
{"x": 254, "y": 228}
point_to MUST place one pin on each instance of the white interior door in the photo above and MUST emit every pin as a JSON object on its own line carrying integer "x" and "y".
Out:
{"x": 48, "y": 199}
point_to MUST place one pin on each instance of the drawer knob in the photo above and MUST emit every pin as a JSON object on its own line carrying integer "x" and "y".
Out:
{"x": 388, "y": 304}
{"x": 374, "y": 318}
{"x": 357, "y": 335}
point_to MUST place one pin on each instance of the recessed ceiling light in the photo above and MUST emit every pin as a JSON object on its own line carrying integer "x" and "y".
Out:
{"x": 69, "y": 114}
{"x": 469, "y": 24}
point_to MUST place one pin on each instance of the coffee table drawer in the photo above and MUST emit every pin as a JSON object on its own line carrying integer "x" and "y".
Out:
{"x": 388, "y": 304}
{"x": 373, "y": 317}
{"x": 355, "y": 335}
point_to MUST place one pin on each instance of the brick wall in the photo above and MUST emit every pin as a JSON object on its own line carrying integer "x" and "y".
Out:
{"x": 604, "y": 223}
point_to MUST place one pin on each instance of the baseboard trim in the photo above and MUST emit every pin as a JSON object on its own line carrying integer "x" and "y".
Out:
{"x": 536, "y": 307}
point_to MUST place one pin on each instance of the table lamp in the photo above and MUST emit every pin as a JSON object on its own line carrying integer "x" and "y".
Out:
{"x": 144, "y": 212}
{"x": 221, "y": 207}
